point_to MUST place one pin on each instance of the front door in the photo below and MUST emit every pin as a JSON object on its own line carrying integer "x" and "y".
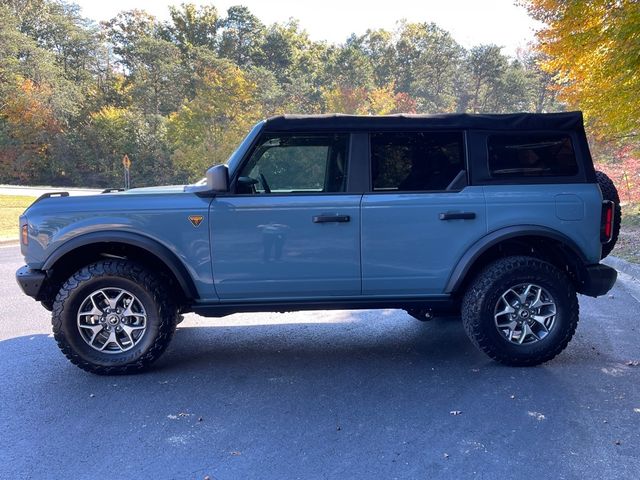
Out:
{"x": 290, "y": 230}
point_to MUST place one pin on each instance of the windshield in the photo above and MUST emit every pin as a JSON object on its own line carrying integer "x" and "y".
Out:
{"x": 236, "y": 156}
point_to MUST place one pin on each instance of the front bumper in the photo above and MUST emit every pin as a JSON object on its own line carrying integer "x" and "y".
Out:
{"x": 31, "y": 281}
{"x": 598, "y": 280}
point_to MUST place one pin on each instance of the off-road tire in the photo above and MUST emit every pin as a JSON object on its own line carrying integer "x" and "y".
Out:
{"x": 610, "y": 192}
{"x": 482, "y": 296}
{"x": 161, "y": 316}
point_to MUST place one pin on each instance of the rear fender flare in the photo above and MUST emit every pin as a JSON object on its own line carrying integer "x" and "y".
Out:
{"x": 467, "y": 261}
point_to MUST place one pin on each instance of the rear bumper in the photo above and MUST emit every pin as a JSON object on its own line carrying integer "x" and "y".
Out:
{"x": 598, "y": 280}
{"x": 30, "y": 281}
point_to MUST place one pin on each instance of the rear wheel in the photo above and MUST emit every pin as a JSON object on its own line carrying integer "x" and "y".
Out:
{"x": 610, "y": 192}
{"x": 520, "y": 311}
{"x": 113, "y": 317}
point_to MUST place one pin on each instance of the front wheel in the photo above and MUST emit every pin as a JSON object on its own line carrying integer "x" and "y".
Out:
{"x": 113, "y": 317}
{"x": 520, "y": 311}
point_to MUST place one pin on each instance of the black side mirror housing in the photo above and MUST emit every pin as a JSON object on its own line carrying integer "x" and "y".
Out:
{"x": 218, "y": 178}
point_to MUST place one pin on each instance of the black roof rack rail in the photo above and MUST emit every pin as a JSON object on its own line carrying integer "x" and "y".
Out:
{"x": 51, "y": 194}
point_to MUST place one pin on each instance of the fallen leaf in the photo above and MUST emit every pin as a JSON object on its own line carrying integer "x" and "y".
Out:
{"x": 91, "y": 395}
{"x": 537, "y": 415}
{"x": 446, "y": 455}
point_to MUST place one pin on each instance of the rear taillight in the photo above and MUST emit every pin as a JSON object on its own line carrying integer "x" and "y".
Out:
{"x": 606, "y": 226}
{"x": 24, "y": 234}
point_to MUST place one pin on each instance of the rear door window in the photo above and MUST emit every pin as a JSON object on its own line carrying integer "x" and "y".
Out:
{"x": 415, "y": 161}
{"x": 531, "y": 155}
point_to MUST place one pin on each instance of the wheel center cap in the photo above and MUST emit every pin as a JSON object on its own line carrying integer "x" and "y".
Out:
{"x": 113, "y": 319}
{"x": 524, "y": 313}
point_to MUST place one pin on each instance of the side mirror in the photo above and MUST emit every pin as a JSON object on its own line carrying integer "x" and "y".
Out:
{"x": 218, "y": 178}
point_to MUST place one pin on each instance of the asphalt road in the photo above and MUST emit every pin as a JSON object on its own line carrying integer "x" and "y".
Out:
{"x": 344, "y": 395}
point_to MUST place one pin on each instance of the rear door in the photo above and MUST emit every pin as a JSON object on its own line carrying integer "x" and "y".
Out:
{"x": 291, "y": 230}
{"x": 420, "y": 216}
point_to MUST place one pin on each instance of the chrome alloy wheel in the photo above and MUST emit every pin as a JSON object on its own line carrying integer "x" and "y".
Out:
{"x": 525, "y": 313}
{"x": 112, "y": 320}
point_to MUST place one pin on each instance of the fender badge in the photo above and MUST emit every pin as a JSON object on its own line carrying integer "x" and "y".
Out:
{"x": 196, "y": 220}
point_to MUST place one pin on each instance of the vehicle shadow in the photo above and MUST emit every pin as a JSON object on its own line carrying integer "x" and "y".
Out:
{"x": 358, "y": 337}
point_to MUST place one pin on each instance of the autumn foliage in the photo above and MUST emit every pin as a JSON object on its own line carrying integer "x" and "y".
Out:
{"x": 591, "y": 47}
{"x": 624, "y": 170}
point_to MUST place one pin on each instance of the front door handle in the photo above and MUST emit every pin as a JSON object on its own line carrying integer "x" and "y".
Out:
{"x": 331, "y": 218}
{"x": 457, "y": 216}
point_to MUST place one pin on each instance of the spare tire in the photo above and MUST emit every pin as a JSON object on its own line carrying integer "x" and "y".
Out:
{"x": 610, "y": 192}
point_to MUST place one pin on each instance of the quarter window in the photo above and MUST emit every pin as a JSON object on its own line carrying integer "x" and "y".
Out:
{"x": 419, "y": 161}
{"x": 531, "y": 155}
{"x": 296, "y": 164}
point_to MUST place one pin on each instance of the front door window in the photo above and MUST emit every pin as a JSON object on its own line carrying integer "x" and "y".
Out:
{"x": 283, "y": 164}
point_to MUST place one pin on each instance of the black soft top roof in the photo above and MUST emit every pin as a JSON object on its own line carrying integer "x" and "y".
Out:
{"x": 512, "y": 121}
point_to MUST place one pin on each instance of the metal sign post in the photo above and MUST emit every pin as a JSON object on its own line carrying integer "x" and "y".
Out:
{"x": 126, "y": 163}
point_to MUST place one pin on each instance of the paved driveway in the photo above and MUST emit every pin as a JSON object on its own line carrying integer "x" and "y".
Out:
{"x": 311, "y": 395}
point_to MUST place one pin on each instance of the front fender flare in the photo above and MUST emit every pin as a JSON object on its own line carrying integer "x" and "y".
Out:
{"x": 154, "y": 247}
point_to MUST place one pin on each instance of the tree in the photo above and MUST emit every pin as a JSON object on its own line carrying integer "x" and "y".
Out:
{"x": 485, "y": 65}
{"x": 113, "y": 132}
{"x": 242, "y": 35}
{"x": 379, "y": 47}
{"x": 349, "y": 67}
{"x": 192, "y": 26}
{"x": 591, "y": 46}
{"x": 205, "y": 130}
{"x": 157, "y": 78}
{"x": 125, "y": 30}
{"x": 362, "y": 101}
{"x": 428, "y": 62}
{"x": 542, "y": 88}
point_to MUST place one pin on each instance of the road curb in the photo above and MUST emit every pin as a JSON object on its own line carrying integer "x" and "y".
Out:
{"x": 9, "y": 243}
{"x": 623, "y": 266}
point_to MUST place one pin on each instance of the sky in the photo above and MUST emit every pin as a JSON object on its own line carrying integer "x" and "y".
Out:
{"x": 471, "y": 22}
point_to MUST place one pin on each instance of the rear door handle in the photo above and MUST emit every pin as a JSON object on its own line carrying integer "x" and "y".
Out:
{"x": 331, "y": 218}
{"x": 457, "y": 216}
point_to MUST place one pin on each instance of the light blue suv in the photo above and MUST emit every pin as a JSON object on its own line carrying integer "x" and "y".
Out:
{"x": 499, "y": 218}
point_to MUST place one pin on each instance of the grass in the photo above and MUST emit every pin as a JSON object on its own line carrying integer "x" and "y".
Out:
{"x": 11, "y": 207}
{"x": 628, "y": 246}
